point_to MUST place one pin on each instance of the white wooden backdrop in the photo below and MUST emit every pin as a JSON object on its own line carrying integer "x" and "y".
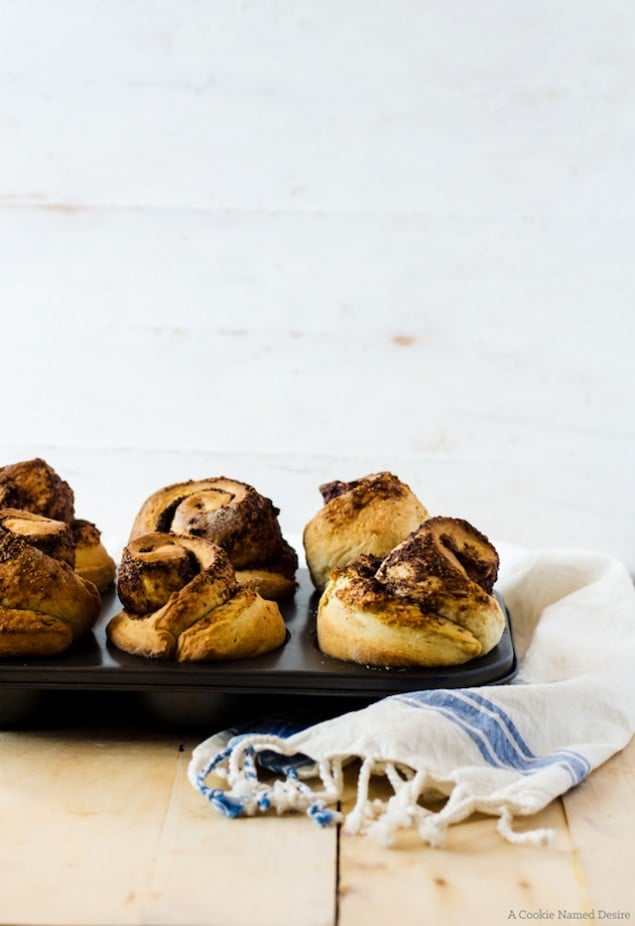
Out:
{"x": 289, "y": 241}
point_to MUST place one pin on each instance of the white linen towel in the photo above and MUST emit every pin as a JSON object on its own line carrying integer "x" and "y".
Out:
{"x": 504, "y": 750}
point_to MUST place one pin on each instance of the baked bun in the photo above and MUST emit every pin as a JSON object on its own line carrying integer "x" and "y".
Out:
{"x": 33, "y": 487}
{"x": 233, "y": 515}
{"x": 369, "y": 515}
{"x": 44, "y": 605}
{"x": 182, "y": 602}
{"x": 428, "y": 603}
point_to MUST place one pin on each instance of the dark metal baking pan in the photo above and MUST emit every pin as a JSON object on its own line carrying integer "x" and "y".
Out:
{"x": 298, "y": 667}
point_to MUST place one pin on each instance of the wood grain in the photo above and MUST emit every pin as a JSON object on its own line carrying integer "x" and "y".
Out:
{"x": 211, "y": 870}
{"x": 109, "y": 831}
{"x": 81, "y": 821}
{"x": 601, "y": 818}
{"x": 477, "y": 877}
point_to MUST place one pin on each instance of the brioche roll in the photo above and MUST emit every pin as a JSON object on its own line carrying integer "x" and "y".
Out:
{"x": 369, "y": 515}
{"x": 45, "y": 606}
{"x": 428, "y": 603}
{"x": 233, "y": 515}
{"x": 182, "y": 602}
{"x": 33, "y": 486}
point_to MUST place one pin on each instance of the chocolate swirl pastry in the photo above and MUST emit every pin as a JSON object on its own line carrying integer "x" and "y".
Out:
{"x": 233, "y": 515}
{"x": 428, "y": 603}
{"x": 44, "y": 605}
{"x": 182, "y": 602}
{"x": 369, "y": 515}
{"x": 32, "y": 486}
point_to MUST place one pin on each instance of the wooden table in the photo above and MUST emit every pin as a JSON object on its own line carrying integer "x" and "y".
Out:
{"x": 101, "y": 826}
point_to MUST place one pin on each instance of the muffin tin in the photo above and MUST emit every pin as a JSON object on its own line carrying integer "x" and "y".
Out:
{"x": 297, "y": 667}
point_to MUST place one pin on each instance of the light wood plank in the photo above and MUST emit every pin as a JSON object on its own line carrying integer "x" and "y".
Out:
{"x": 601, "y": 818}
{"x": 80, "y": 821}
{"x": 477, "y": 878}
{"x": 218, "y": 872}
{"x": 109, "y": 831}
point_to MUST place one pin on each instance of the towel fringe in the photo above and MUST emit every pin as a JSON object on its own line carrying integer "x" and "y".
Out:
{"x": 538, "y": 837}
{"x": 246, "y": 795}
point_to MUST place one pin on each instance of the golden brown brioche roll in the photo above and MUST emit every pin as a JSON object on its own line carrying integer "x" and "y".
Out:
{"x": 92, "y": 560}
{"x": 369, "y": 515}
{"x": 428, "y": 603}
{"x": 44, "y": 605}
{"x": 182, "y": 602}
{"x": 34, "y": 486}
{"x": 233, "y": 515}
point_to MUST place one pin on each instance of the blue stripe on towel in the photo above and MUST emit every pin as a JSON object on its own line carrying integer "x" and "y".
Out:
{"x": 494, "y": 733}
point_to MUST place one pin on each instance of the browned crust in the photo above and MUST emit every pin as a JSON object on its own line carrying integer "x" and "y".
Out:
{"x": 368, "y": 515}
{"x": 227, "y": 512}
{"x": 359, "y": 492}
{"x": 44, "y": 605}
{"x": 413, "y": 638}
{"x": 428, "y": 602}
{"x": 33, "y": 485}
{"x": 85, "y": 532}
{"x": 444, "y": 557}
{"x": 54, "y": 538}
{"x": 151, "y": 569}
{"x": 182, "y": 601}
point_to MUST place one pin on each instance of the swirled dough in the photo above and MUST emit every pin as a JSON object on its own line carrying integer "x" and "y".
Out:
{"x": 428, "y": 603}
{"x": 44, "y": 605}
{"x": 369, "y": 515}
{"x": 233, "y": 515}
{"x": 182, "y": 602}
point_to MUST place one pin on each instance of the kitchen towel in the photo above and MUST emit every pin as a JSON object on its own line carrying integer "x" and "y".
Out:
{"x": 503, "y": 750}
